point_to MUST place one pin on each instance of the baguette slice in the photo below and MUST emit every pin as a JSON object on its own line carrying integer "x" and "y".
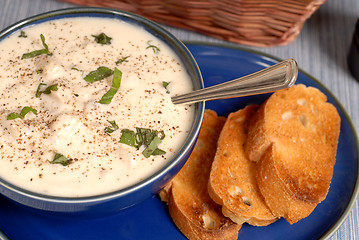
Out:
{"x": 294, "y": 137}
{"x": 192, "y": 210}
{"x": 232, "y": 181}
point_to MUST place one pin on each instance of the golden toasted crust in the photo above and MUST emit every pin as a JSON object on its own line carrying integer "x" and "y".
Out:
{"x": 281, "y": 201}
{"x": 191, "y": 208}
{"x": 301, "y": 131}
{"x": 232, "y": 181}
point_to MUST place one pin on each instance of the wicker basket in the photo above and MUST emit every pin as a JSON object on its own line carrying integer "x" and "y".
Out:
{"x": 261, "y": 23}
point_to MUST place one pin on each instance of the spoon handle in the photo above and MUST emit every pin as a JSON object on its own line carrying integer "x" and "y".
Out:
{"x": 278, "y": 76}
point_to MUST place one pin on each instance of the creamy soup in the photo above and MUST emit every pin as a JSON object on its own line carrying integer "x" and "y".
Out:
{"x": 86, "y": 108}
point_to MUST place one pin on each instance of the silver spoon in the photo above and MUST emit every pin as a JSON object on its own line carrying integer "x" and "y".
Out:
{"x": 281, "y": 75}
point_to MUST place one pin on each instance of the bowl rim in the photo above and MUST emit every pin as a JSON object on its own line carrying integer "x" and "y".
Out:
{"x": 161, "y": 33}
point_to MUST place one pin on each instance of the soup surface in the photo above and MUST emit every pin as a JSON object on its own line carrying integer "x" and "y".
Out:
{"x": 86, "y": 108}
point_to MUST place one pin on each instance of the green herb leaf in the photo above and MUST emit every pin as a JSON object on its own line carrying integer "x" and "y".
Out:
{"x": 38, "y": 92}
{"x": 24, "y": 111}
{"x": 116, "y": 82}
{"x": 146, "y": 137}
{"x": 76, "y": 69}
{"x": 79, "y": 70}
{"x": 154, "y": 48}
{"x": 158, "y": 151}
{"x": 98, "y": 74}
{"x": 34, "y": 53}
{"x": 46, "y": 91}
{"x": 102, "y": 39}
{"x": 151, "y": 147}
{"x": 124, "y": 59}
{"x": 109, "y": 130}
{"x": 128, "y": 137}
{"x": 38, "y": 52}
{"x": 165, "y": 84}
{"x": 39, "y": 71}
{"x": 44, "y": 44}
{"x": 162, "y": 135}
{"x": 50, "y": 88}
{"x": 60, "y": 159}
{"x": 76, "y": 95}
{"x": 107, "y": 97}
{"x": 22, "y": 34}
{"x": 12, "y": 116}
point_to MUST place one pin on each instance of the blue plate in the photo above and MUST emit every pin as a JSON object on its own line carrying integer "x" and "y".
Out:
{"x": 150, "y": 219}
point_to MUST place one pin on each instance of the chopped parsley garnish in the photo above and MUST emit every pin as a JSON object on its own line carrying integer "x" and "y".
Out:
{"x": 76, "y": 95}
{"x": 24, "y": 111}
{"x": 79, "y": 70}
{"x": 60, "y": 159}
{"x": 158, "y": 151}
{"x": 128, "y": 137}
{"x": 124, "y": 59}
{"x": 116, "y": 82}
{"x": 22, "y": 34}
{"x": 102, "y": 39}
{"x": 146, "y": 137}
{"x": 98, "y": 74}
{"x": 151, "y": 147}
{"x": 165, "y": 84}
{"x": 35, "y": 53}
{"x": 76, "y": 69}
{"x": 101, "y": 73}
{"x": 154, "y": 48}
{"x": 39, "y": 71}
{"x": 114, "y": 127}
{"x": 46, "y": 91}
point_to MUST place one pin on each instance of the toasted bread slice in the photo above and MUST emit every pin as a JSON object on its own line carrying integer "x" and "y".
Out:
{"x": 165, "y": 192}
{"x": 281, "y": 201}
{"x": 191, "y": 208}
{"x": 294, "y": 138}
{"x": 232, "y": 181}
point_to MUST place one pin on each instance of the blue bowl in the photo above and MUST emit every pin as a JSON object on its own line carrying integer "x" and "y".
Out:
{"x": 110, "y": 203}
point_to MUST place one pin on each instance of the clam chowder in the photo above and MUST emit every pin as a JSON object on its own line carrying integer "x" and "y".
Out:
{"x": 86, "y": 106}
